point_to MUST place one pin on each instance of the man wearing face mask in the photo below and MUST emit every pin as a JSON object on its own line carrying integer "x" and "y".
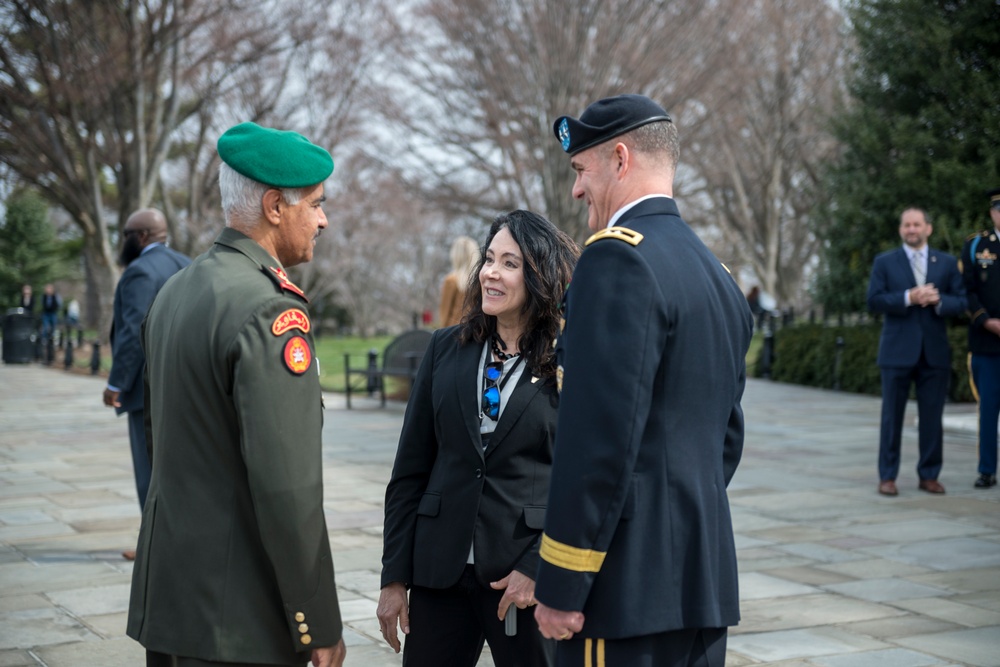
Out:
{"x": 149, "y": 263}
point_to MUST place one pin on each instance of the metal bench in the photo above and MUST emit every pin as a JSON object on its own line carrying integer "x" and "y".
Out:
{"x": 401, "y": 358}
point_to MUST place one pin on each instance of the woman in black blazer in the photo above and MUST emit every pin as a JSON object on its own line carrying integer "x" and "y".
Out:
{"x": 465, "y": 507}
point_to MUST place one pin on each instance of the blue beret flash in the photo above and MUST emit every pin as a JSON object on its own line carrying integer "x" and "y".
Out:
{"x": 564, "y": 134}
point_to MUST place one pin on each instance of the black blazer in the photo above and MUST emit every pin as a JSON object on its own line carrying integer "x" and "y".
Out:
{"x": 446, "y": 491}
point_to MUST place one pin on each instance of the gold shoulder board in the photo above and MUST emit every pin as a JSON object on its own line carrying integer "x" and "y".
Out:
{"x": 625, "y": 234}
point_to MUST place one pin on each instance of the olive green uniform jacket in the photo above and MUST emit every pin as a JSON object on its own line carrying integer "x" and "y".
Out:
{"x": 233, "y": 562}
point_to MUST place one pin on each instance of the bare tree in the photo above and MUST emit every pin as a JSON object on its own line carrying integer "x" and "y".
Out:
{"x": 480, "y": 83}
{"x": 91, "y": 94}
{"x": 759, "y": 135}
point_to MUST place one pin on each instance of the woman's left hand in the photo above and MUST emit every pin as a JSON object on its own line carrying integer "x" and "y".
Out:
{"x": 520, "y": 589}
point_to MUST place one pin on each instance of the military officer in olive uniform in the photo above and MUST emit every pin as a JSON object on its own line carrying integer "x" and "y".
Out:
{"x": 980, "y": 263}
{"x": 233, "y": 564}
{"x": 638, "y": 562}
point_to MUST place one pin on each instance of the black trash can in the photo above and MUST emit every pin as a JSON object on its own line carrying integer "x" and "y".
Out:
{"x": 18, "y": 337}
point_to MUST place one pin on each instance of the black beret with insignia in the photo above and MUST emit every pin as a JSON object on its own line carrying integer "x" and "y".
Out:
{"x": 994, "y": 196}
{"x": 606, "y": 119}
{"x": 274, "y": 157}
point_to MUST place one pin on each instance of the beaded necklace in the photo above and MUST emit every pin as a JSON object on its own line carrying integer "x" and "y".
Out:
{"x": 500, "y": 354}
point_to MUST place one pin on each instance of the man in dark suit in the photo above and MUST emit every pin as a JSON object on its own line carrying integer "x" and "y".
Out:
{"x": 638, "y": 557}
{"x": 981, "y": 274}
{"x": 234, "y": 561}
{"x": 915, "y": 287}
{"x": 149, "y": 263}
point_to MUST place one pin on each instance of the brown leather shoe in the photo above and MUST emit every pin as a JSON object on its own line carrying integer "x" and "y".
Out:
{"x": 128, "y": 554}
{"x": 931, "y": 486}
{"x": 887, "y": 487}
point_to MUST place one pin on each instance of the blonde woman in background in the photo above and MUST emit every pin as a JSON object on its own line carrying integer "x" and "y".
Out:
{"x": 464, "y": 258}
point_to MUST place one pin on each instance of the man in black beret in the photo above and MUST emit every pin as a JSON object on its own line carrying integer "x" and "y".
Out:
{"x": 234, "y": 564}
{"x": 981, "y": 272}
{"x": 638, "y": 557}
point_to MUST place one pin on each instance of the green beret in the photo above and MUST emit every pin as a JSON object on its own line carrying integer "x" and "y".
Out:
{"x": 274, "y": 157}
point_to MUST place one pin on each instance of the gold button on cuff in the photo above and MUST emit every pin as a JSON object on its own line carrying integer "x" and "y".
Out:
{"x": 299, "y": 617}
{"x": 303, "y": 627}
{"x": 306, "y": 639}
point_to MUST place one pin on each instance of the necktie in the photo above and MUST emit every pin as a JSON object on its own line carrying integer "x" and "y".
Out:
{"x": 919, "y": 274}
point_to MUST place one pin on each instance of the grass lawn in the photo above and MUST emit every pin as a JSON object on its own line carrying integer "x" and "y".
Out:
{"x": 331, "y": 349}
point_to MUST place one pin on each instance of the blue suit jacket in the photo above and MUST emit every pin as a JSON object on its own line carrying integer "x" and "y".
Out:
{"x": 909, "y": 329}
{"x": 138, "y": 285}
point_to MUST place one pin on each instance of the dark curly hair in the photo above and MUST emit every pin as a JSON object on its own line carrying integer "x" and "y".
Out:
{"x": 549, "y": 257}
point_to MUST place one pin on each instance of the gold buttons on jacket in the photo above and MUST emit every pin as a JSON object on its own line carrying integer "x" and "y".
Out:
{"x": 299, "y": 617}
{"x": 306, "y": 639}
{"x": 303, "y": 628}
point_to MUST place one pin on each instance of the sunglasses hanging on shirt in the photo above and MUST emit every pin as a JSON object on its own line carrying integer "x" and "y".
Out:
{"x": 493, "y": 383}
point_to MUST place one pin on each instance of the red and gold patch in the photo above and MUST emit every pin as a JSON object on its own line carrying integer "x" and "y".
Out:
{"x": 293, "y": 318}
{"x": 297, "y": 356}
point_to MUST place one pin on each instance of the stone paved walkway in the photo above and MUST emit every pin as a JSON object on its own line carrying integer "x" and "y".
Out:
{"x": 832, "y": 575}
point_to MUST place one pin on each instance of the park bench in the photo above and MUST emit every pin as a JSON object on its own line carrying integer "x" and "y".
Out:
{"x": 401, "y": 358}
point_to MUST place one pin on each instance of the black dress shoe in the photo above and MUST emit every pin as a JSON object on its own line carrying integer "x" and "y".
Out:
{"x": 985, "y": 481}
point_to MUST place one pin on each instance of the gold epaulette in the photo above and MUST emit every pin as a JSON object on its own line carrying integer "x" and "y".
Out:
{"x": 625, "y": 234}
{"x": 973, "y": 235}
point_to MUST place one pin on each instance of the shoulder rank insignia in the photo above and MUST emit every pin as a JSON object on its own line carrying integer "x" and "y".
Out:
{"x": 625, "y": 234}
{"x": 284, "y": 283}
{"x": 293, "y": 318}
{"x": 297, "y": 355}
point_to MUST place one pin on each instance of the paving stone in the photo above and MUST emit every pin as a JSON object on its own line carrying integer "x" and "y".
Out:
{"x": 805, "y": 512}
{"x": 798, "y": 644}
{"x": 949, "y": 554}
{"x": 807, "y": 611}
{"x": 877, "y": 567}
{"x": 893, "y": 657}
{"x": 918, "y": 531}
{"x": 885, "y": 590}
{"x": 907, "y": 625}
{"x": 979, "y": 647}
{"x": 757, "y": 586}
{"x": 953, "y": 612}
{"x": 119, "y": 652}
{"x": 30, "y": 628}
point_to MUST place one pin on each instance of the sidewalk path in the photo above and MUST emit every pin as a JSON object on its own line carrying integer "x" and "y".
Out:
{"x": 832, "y": 574}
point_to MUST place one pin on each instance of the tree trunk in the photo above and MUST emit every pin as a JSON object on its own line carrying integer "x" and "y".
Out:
{"x": 102, "y": 276}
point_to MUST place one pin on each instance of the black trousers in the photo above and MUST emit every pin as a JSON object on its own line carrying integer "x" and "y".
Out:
{"x": 449, "y": 626}
{"x": 154, "y": 659}
{"x": 696, "y": 647}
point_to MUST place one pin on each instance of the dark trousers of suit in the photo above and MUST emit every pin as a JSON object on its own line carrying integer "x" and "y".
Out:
{"x": 694, "y": 647}
{"x": 448, "y": 627}
{"x": 986, "y": 382}
{"x": 140, "y": 456}
{"x": 932, "y": 390}
{"x": 154, "y": 659}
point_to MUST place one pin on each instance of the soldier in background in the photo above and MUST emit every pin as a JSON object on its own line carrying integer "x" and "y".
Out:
{"x": 981, "y": 272}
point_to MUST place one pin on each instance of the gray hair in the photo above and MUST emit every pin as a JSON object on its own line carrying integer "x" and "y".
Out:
{"x": 241, "y": 197}
{"x": 659, "y": 137}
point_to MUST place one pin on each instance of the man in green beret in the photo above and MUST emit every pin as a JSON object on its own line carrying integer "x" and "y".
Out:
{"x": 233, "y": 564}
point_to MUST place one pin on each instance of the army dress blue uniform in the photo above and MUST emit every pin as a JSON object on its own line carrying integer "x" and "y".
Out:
{"x": 638, "y": 532}
{"x": 980, "y": 263}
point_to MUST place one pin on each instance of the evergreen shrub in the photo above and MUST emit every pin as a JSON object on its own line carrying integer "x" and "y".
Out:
{"x": 806, "y": 354}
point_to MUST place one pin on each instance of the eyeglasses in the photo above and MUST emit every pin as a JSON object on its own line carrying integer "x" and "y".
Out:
{"x": 129, "y": 232}
{"x": 492, "y": 373}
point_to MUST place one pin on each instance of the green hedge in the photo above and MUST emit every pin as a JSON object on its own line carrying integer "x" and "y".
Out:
{"x": 806, "y": 354}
